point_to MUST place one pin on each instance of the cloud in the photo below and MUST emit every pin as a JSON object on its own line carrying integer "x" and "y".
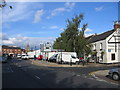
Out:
{"x": 3, "y": 36}
{"x": 62, "y": 0}
{"x": 7, "y": 42}
{"x": 61, "y": 29}
{"x": 22, "y": 41}
{"x": 20, "y": 11}
{"x": 99, "y": 8}
{"x": 87, "y": 30}
{"x": 38, "y": 16}
{"x": 67, "y": 8}
{"x": 57, "y": 11}
{"x": 54, "y": 27}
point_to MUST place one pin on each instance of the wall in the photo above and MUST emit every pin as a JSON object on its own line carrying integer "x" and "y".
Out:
{"x": 99, "y": 50}
{"x": 111, "y": 48}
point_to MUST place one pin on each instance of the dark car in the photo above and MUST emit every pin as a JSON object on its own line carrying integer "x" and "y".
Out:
{"x": 115, "y": 74}
{"x": 3, "y": 59}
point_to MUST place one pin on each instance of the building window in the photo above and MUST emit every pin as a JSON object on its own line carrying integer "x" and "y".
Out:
{"x": 113, "y": 56}
{"x": 101, "y": 46}
{"x": 47, "y": 47}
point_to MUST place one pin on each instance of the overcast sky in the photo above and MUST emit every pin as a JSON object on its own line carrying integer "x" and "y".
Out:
{"x": 39, "y": 22}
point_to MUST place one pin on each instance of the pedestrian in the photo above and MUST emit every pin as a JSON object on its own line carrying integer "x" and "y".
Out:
{"x": 71, "y": 62}
{"x": 34, "y": 59}
{"x": 83, "y": 62}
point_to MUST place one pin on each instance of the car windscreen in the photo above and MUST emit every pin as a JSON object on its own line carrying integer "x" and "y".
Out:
{"x": 73, "y": 56}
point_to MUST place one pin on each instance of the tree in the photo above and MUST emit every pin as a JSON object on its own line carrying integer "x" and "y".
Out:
{"x": 4, "y": 4}
{"x": 83, "y": 45}
{"x": 73, "y": 40}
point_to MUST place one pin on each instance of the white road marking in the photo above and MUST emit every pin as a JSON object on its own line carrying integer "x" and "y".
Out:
{"x": 78, "y": 75}
{"x": 37, "y": 77}
{"x": 10, "y": 69}
{"x": 19, "y": 65}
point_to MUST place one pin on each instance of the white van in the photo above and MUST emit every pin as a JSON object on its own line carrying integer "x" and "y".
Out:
{"x": 67, "y": 57}
{"x": 64, "y": 57}
{"x": 31, "y": 55}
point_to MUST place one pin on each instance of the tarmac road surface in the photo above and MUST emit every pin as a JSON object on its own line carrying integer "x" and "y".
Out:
{"x": 23, "y": 74}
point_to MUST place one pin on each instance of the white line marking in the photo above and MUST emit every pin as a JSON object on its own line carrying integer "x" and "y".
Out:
{"x": 37, "y": 77}
{"x": 19, "y": 65}
{"x": 78, "y": 75}
{"x": 10, "y": 69}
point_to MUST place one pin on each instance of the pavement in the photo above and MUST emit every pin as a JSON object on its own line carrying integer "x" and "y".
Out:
{"x": 102, "y": 75}
{"x": 50, "y": 64}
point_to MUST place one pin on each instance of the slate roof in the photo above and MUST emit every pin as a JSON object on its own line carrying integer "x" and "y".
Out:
{"x": 10, "y": 47}
{"x": 103, "y": 36}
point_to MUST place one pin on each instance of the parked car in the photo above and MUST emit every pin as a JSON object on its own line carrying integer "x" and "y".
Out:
{"x": 19, "y": 56}
{"x": 3, "y": 59}
{"x": 53, "y": 58}
{"x": 25, "y": 56}
{"x": 40, "y": 57}
{"x": 114, "y": 73}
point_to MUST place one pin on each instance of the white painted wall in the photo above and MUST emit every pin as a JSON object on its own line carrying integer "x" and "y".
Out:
{"x": 108, "y": 46}
{"x": 111, "y": 46}
{"x": 98, "y": 47}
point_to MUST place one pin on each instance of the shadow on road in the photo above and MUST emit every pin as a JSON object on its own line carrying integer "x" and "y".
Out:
{"x": 32, "y": 76}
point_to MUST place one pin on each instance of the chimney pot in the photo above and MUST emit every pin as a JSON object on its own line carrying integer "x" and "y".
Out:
{"x": 116, "y": 25}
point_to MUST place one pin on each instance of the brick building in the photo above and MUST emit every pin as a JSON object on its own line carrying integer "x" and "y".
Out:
{"x": 11, "y": 50}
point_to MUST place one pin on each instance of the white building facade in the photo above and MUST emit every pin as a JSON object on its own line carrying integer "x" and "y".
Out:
{"x": 46, "y": 47}
{"x": 106, "y": 46}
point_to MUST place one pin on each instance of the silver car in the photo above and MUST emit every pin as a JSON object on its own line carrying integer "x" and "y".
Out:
{"x": 115, "y": 74}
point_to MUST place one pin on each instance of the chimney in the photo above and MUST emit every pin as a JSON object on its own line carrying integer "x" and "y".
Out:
{"x": 116, "y": 25}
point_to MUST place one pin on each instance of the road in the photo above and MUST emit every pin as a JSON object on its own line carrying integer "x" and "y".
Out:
{"x": 23, "y": 74}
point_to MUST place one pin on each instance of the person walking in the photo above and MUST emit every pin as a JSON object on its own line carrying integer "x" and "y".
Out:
{"x": 34, "y": 59}
{"x": 83, "y": 62}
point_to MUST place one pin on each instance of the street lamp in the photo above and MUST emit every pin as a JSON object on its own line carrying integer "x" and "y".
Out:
{"x": 35, "y": 50}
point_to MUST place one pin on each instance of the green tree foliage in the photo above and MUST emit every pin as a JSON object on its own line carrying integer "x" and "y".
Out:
{"x": 72, "y": 39}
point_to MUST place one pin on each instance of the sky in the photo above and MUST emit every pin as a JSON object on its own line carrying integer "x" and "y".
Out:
{"x": 34, "y": 23}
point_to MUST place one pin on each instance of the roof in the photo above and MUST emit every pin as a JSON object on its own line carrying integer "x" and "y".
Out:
{"x": 10, "y": 47}
{"x": 103, "y": 36}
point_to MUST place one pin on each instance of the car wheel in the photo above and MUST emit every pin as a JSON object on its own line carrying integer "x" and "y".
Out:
{"x": 77, "y": 63}
{"x": 115, "y": 76}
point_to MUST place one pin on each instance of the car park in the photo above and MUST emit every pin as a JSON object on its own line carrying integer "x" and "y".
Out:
{"x": 114, "y": 74}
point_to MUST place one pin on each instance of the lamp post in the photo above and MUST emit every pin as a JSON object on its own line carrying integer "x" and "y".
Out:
{"x": 35, "y": 50}
{"x": 40, "y": 49}
{"x": 61, "y": 50}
